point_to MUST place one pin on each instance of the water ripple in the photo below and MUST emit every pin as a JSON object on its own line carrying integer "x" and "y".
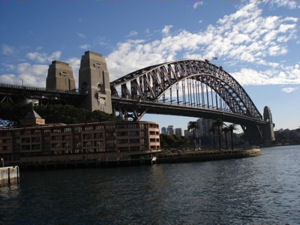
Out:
{"x": 260, "y": 190}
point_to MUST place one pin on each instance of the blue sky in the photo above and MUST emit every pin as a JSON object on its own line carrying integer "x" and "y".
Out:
{"x": 255, "y": 41}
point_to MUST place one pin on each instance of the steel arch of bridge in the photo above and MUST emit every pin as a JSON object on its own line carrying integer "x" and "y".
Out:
{"x": 151, "y": 83}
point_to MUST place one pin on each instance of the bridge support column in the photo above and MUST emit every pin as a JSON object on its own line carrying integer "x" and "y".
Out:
{"x": 268, "y": 129}
{"x": 94, "y": 81}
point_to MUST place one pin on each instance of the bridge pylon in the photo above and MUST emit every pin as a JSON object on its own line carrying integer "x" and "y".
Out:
{"x": 60, "y": 77}
{"x": 94, "y": 81}
{"x": 268, "y": 129}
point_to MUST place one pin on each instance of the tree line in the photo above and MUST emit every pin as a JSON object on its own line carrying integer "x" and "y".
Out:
{"x": 287, "y": 137}
{"x": 54, "y": 113}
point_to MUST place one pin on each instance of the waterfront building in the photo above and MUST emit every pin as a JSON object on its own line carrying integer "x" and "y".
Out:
{"x": 178, "y": 132}
{"x": 70, "y": 139}
{"x": 170, "y": 130}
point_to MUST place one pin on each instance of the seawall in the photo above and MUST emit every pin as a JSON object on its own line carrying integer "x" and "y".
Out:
{"x": 9, "y": 175}
{"x": 198, "y": 156}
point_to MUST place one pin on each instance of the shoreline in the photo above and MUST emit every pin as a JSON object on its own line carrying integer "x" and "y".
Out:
{"x": 212, "y": 155}
{"x": 93, "y": 161}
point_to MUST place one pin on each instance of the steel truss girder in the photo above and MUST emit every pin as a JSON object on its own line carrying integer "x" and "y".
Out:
{"x": 150, "y": 83}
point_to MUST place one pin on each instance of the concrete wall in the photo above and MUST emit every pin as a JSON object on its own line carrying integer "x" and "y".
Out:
{"x": 9, "y": 175}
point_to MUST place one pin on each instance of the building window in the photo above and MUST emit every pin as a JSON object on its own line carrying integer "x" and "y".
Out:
{"x": 135, "y": 148}
{"x": 121, "y": 126}
{"x": 99, "y": 127}
{"x": 89, "y": 128}
{"x": 122, "y": 141}
{"x": 134, "y": 141}
{"x": 67, "y": 130}
{"x": 78, "y": 129}
{"x": 123, "y": 149}
{"x": 133, "y": 133}
{"x": 132, "y": 125}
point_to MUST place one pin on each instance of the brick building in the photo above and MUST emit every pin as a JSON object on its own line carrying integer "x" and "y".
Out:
{"x": 72, "y": 139}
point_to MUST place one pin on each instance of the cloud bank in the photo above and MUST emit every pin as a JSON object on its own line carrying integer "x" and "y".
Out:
{"x": 243, "y": 37}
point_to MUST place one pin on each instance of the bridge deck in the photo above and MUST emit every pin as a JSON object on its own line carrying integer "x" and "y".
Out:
{"x": 174, "y": 109}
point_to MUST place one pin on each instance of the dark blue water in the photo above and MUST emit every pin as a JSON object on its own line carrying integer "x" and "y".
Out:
{"x": 259, "y": 190}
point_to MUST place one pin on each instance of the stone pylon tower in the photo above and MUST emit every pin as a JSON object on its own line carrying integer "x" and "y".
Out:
{"x": 268, "y": 132}
{"x": 94, "y": 81}
{"x": 60, "y": 77}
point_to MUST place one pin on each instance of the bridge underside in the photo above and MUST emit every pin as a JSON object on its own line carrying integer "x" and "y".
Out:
{"x": 134, "y": 110}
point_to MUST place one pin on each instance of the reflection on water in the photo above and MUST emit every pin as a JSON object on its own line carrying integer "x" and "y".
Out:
{"x": 257, "y": 190}
{"x": 9, "y": 191}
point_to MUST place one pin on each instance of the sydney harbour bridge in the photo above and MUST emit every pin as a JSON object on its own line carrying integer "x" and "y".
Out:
{"x": 194, "y": 88}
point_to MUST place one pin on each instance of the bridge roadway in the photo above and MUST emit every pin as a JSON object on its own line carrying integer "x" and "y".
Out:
{"x": 151, "y": 107}
{"x": 38, "y": 93}
{"x": 174, "y": 109}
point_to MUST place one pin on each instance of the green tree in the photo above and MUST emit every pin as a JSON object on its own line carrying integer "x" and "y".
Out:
{"x": 217, "y": 125}
{"x": 55, "y": 113}
{"x": 173, "y": 141}
{"x": 232, "y": 127}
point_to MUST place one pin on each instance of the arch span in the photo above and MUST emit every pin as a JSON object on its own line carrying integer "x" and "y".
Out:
{"x": 196, "y": 83}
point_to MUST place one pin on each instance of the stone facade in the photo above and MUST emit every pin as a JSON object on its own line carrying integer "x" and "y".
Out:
{"x": 94, "y": 81}
{"x": 60, "y": 77}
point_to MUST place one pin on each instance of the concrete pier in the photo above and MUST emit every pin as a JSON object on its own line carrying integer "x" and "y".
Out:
{"x": 9, "y": 175}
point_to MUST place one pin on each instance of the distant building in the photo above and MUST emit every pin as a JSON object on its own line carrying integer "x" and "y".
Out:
{"x": 204, "y": 136}
{"x": 170, "y": 130}
{"x": 178, "y": 132}
{"x": 204, "y": 126}
{"x": 163, "y": 130}
{"x": 186, "y": 133}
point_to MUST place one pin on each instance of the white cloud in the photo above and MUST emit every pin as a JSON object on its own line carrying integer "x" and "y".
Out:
{"x": 43, "y": 57}
{"x": 284, "y": 75}
{"x": 35, "y": 74}
{"x": 132, "y": 33}
{"x": 166, "y": 29}
{"x": 8, "y": 67}
{"x": 289, "y": 89}
{"x": 197, "y": 4}
{"x": 27, "y": 74}
{"x": 7, "y": 50}
{"x": 32, "y": 74}
{"x": 243, "y": 36}
{"x": 291, "y": 4}
{"x": 85, "y": 46}
{"x": 81, "y": 35}
{"x": 9, "y": 79}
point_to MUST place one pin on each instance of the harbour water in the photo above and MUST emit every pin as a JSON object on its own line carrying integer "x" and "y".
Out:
{"x": 258, "y": 190}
